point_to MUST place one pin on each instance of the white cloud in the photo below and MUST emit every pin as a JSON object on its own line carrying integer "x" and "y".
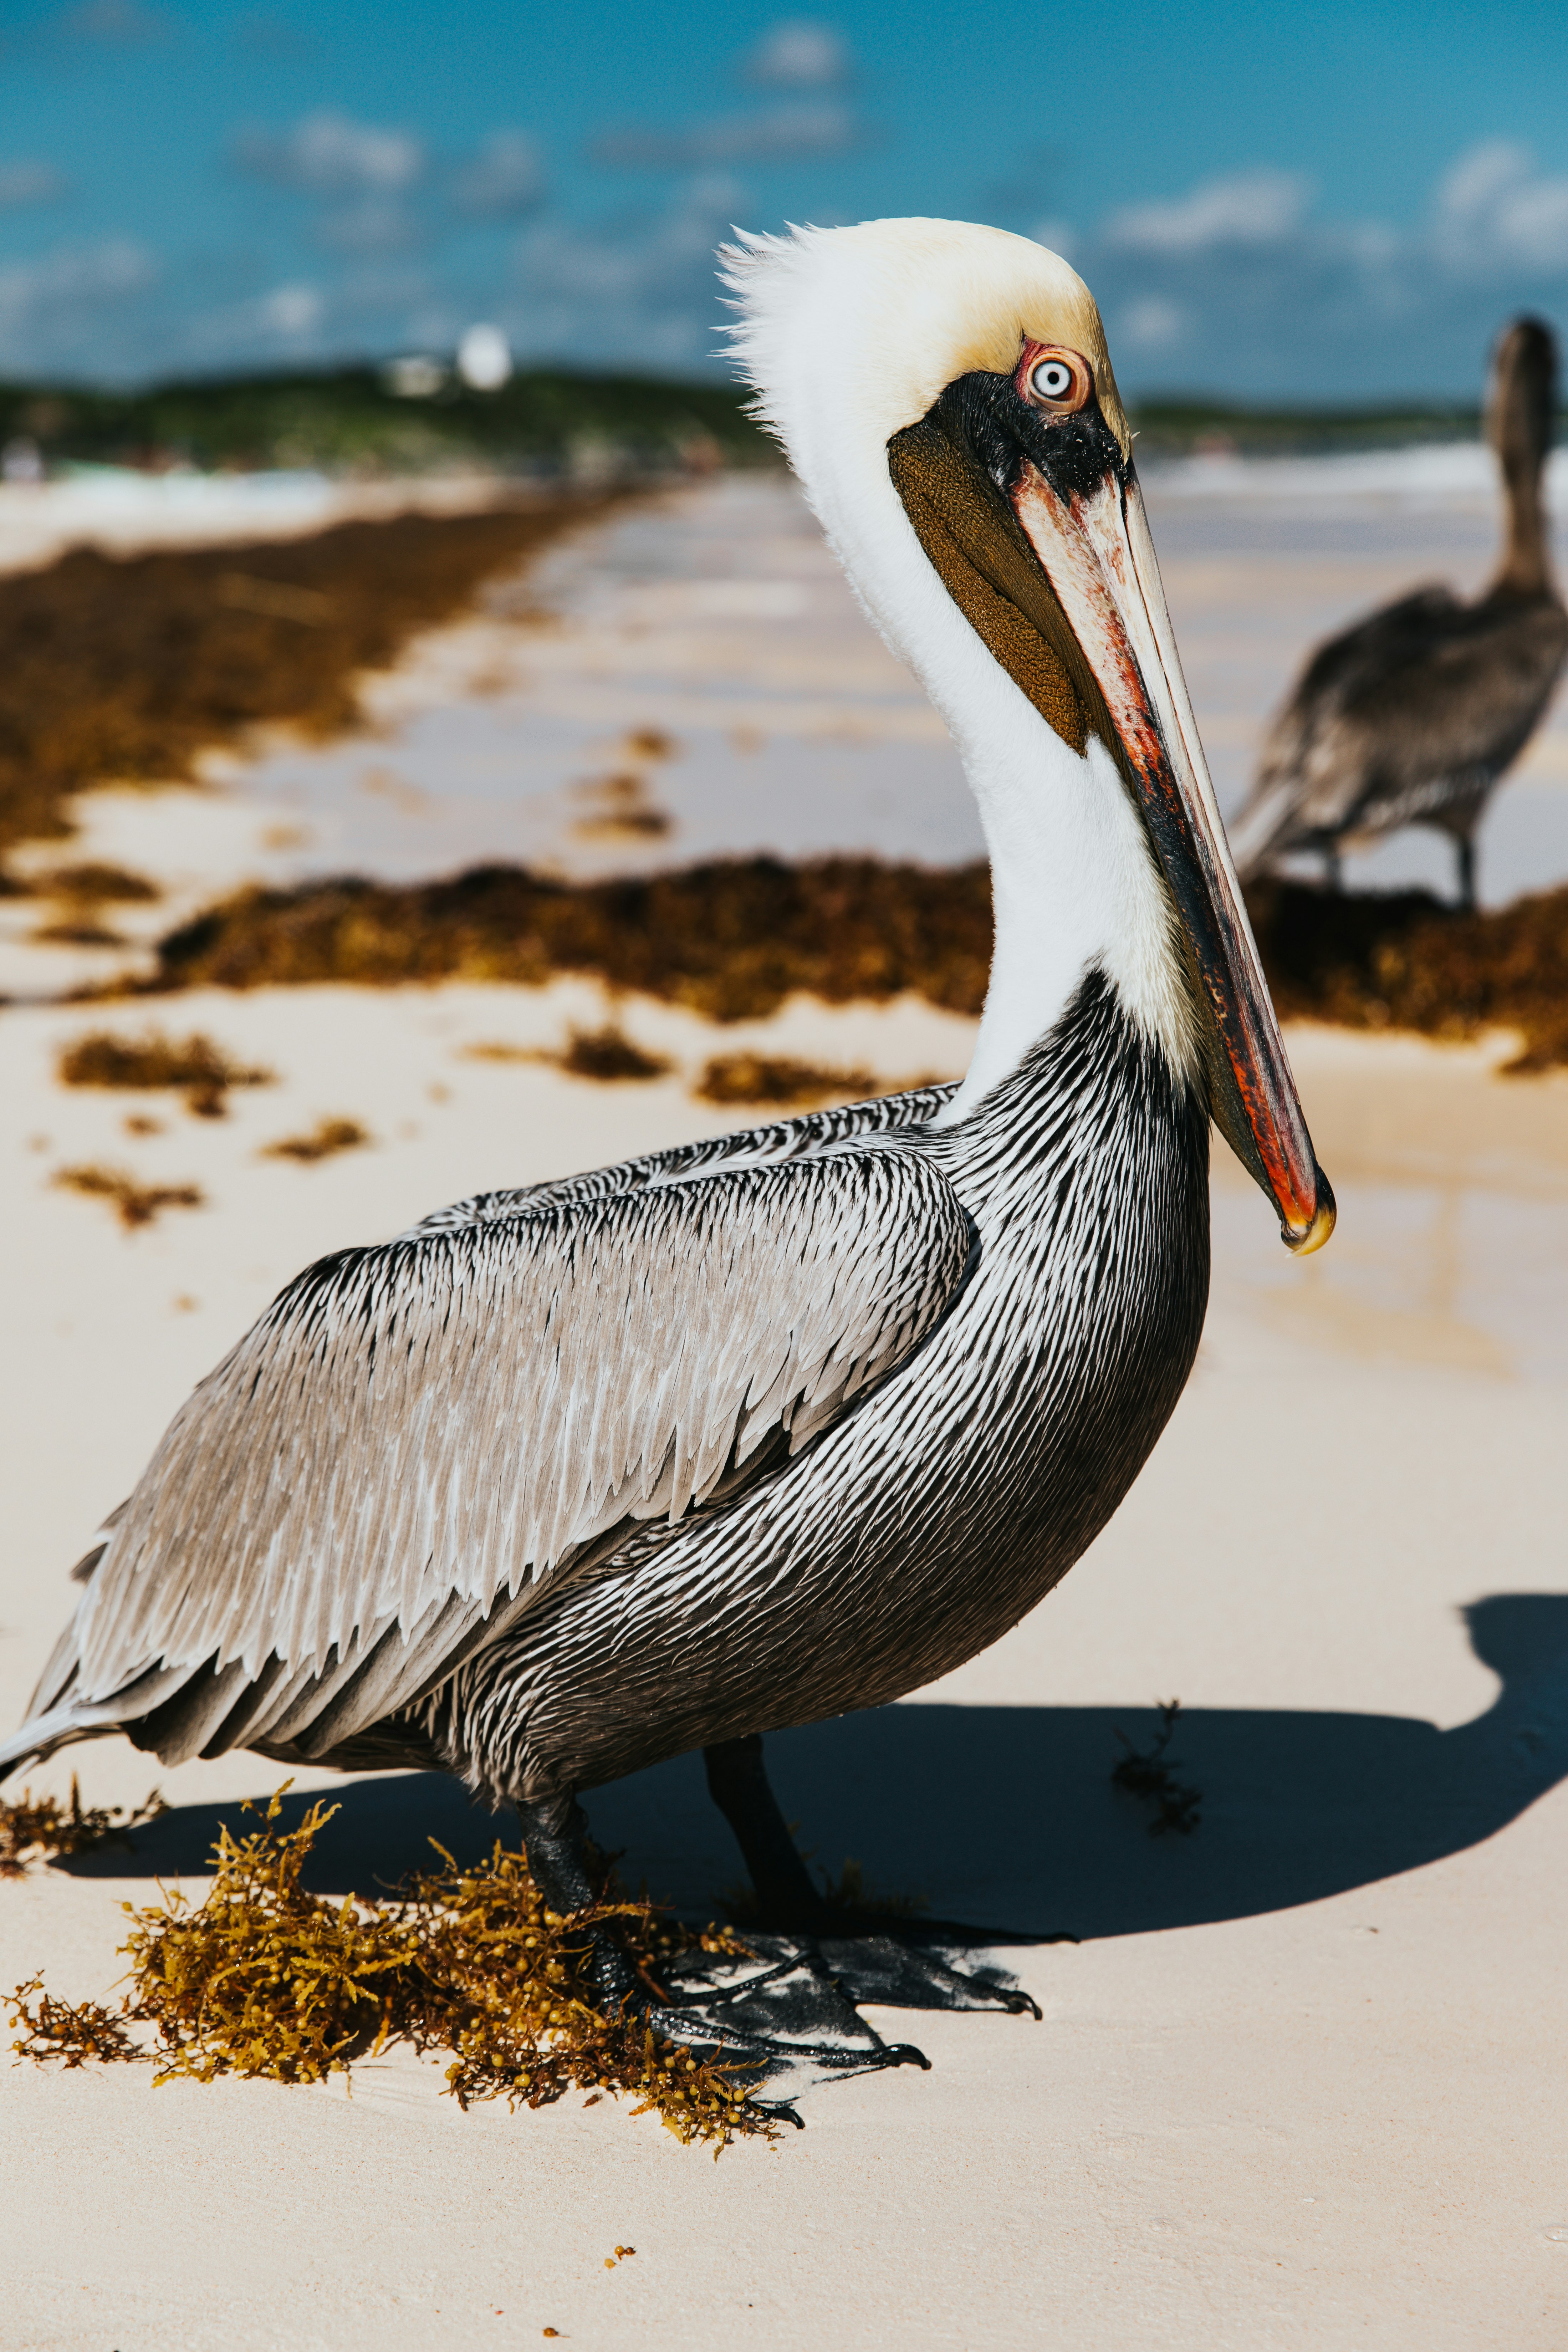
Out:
{"x": 28, "y": 183}
{"x": 289, "y": 314}
{"x": 1493, "y": 206}
{"x": 55, "y": 311}
{"x": 1151, "y": 325}
{"x": 798, "y": 54}
{"x": 329, "y": 155}
{"x": 794, "y": 129}
{"x": 1251, "y": 208}
{"x": 375, "y": 225}
{"x": 504, "y": 180}
{"x": 290, "y": 311}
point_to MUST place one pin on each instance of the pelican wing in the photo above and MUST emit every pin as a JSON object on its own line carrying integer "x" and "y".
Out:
{"x": 788, "y": 1139}
{"x": 418, "y": 1439}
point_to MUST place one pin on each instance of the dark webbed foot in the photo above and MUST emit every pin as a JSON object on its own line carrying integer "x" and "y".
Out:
{"x": 782, "y": 2011}
{"x": 781, "y": 2015}
{"x": 899, "y": 1967}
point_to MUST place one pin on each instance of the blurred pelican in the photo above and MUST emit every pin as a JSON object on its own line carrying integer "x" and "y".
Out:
{"x": 1412, "y": 716}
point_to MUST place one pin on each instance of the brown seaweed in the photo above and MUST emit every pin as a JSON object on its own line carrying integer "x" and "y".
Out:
{"x": 328, "y": 1137}
{"x": 134, "y": 1203}
{"x": 42, "y": 1829}
{"x": 1149, "y": 1774}
{"x": 202, "y": 1071}
{"x": 128, "y": 667}
{"x": 778, "y": 1078}
{"x": 263, "y": 1978}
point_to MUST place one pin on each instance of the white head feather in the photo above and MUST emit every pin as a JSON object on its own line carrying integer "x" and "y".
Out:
{"x": 848, "y": 335}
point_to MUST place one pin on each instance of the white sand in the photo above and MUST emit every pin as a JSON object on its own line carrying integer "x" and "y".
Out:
{"x": 1300, "y": 2087}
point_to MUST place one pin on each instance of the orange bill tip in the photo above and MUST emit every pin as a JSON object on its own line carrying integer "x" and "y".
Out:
{"x": 1301, "y": 1241}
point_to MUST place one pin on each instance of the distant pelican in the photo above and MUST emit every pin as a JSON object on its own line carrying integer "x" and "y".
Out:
{"x": 1412, "y": 716}
{"x": 568, "y": 1480}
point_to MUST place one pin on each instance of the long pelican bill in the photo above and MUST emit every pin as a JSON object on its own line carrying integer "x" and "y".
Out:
{"x": 1031, "y": 513}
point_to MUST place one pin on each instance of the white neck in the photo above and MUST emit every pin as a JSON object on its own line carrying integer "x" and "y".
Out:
{"x": 1074, "y": 883}
{"x": 1073, "y": 886}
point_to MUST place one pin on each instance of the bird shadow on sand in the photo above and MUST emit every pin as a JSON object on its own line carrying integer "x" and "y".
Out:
{"x": 1008, "y": 1814}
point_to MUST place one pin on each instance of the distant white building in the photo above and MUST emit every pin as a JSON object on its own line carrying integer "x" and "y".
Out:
{"x": 484, "y": 359}
{"x": 415, "y": 378}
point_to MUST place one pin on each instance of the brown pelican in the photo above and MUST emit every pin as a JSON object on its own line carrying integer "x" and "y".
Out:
{"x": 565, "y": 1481}
{"x": 1411, "y": 717}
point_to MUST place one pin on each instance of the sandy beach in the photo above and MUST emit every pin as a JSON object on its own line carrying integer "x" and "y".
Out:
{"x": 691, "y": 678}
{"x": 1298, "y": 2083}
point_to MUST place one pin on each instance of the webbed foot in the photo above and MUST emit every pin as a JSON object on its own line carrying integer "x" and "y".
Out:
{"x": 782, "y": 2011}
{"x": 903, "y": 1969}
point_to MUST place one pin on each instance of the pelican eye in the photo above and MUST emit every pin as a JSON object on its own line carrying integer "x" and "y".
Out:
{"x": 1060, "y": 380}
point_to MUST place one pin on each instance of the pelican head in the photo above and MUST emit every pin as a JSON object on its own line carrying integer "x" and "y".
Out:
{"x": 945, "y": 396}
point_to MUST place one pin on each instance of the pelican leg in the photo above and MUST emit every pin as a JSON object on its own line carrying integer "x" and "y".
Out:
{"x": 894, "y": 1967}
{"x": 738, "y": 1784}
{"x": 1464, "y": 857}
{"x": 554, "y": 1837}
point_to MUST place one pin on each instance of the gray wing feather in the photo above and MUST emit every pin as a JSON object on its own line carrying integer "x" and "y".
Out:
{"x": 788, "y": 1138}
{"x": 416, "y": 1440}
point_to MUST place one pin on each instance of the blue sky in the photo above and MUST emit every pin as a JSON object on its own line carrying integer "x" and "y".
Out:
{"x": 1304, "y": 202}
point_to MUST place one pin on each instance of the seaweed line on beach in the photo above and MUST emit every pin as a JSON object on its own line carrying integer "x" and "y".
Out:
{"x": 731, "y": 940}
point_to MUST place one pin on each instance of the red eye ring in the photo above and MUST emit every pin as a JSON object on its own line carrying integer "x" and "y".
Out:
{"x": 1052, "y": 377}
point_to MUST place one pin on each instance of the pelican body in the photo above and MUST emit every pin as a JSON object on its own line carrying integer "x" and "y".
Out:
{"x": 1413, "y": 715}
{"x": 569, "y": 1480}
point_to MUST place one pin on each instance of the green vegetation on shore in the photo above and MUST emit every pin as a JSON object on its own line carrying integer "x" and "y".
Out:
{"x": 352, "y": 419}
{"x": 1173, "y": 426}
